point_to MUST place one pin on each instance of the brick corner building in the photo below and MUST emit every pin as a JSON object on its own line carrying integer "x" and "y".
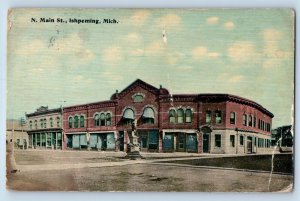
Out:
{"x": 200, "y": 123}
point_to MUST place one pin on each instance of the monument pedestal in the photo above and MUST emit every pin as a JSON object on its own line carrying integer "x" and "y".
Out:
{"x": 134, "y": 148}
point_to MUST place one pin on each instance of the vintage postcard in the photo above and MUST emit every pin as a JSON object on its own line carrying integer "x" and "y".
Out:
{"x": 144, "y": 100}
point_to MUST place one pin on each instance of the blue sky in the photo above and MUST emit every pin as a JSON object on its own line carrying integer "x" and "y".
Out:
{"x": 249, "y": 53}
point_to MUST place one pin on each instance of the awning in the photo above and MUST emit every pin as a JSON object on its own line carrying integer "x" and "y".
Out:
{"x": 148, "y": 113}
{"x": 128, "y": 114}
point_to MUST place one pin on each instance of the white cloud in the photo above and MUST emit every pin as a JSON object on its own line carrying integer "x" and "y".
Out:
{"x": 113, "y": 55}
{"x": 272, "y": 48}
{"x": 229, "y": 25}
{"x": 168, "y": 21}
{"x": 31, "y": 48}
{"x": 202, "y": 52}
{"x": 174, "y": 58}
{"x": 133, "y": 38}
{"x": 111, "y": 77}
{"x": 212, "y": 20}
{"x": 242, "y": 51}
{"x": 136, "y": 52}
{"x": 230, "y": 78}
{"x": 155, "y": 48}
{"x": 139, "y": 17}
{"x": 56, "y": 47}
{"x": 185, "y": 68}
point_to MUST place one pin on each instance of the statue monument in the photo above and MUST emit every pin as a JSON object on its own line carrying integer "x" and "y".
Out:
{"x": 134, "y": 146}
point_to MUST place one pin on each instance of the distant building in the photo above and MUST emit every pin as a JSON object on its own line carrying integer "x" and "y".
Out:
{"x": 16, "y": 133}
{"x": 44, "y": 128}
{"x": 201, "y": 123}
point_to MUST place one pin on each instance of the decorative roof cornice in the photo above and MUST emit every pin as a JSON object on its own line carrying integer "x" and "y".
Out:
{"x": 56, "y": 110}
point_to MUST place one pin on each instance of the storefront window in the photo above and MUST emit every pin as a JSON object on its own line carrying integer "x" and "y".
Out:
{"x": 232, "y": 140}
{"x": 217, "y": 140}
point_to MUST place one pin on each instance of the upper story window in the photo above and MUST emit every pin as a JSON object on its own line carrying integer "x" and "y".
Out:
{"x": 232, "y": 117}
{"x": 76, "y": 122}
{"x": 138, "y": 98}
{"x": 70, "y": 122}
{"x": 172, "y": 116}
{"x": 41, "y": 123}
{"x": 208, "y": 117}
{"x": 81, "y": 121}
{"x": 250, "y": 120}
{"x": 102, "y": 119}
{"x": 254, "y": 121}
{"x": 218, "y": 117}
{"x": 180, "y": 114}
{"x": 128, "y": 116}
{"x": 58, "y": 121}
{"x": 97, "y": 120}
{"x": 188, "y": 116}
{"x": 108, "y": 119}
{"x": 45, "y": 123}
{"x": 51, "y": 122}
{"x": 244, "y": 119}
{"x": 148, "y": 115}
{"x": 35, "y": 124}
{"x": 30, "y": 124}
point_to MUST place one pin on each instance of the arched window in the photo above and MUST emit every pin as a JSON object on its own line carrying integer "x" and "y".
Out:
{"x": 180, "y": 114}
{"x": 102, "y": 119}
{"x": 51, "y": 122}
{"x": 108, "y": 119}
{"x": 76, "y": 122}
{"x": 58, "y": 121}
{"x": 81, "y": 121}
{"x": 35, "y": 124}
{"x": 45, "y": 123}
{"x": 128, "y": 116}
{"x": 148, "y": 115}
{"x": 172, "y": 116}
{"x": 188, "y": 116}
{"x": 97, "y": 120}
{"x": 244, "y": 119}
{"x": 250, "y": 120}
{"x": 70, "y": 122}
